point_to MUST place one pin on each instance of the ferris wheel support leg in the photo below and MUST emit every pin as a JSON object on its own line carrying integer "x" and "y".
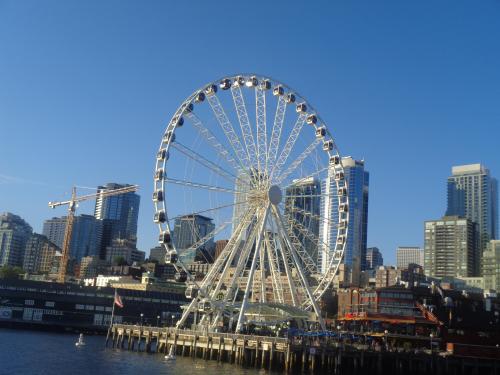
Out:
{"x": 252, "y": 272}
{"x": 299, "y": 269}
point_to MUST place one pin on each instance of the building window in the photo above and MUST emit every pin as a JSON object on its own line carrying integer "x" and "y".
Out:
{"x": 29, "y": 302}
{"x": 49, "y": 304}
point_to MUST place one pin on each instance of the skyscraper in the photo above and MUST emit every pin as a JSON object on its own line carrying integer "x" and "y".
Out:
{"x": 119, "y": 214}
{"x": 374, "y": 258}
{"x": 473, "y": 193}
{"x": 85, "y": 239}
{"x": 38, "y": 254}
{"x": 451, "y": 247}
{"x": 302, "y": 208}
{"x": 14, "y": 234}
{"x": 357, "y": 179}
{"x": 406, "y": 255}
{"x": 190, "y": 229}
{"x": 491, "y": 266}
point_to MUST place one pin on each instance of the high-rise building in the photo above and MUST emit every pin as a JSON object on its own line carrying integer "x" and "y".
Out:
{"x": 451, "y": 247}
{"x": 38, "y": 254}
{"x": 85, "y": 238}
{"x": 374, "y": 258}
{"x": 491, "y": 266}
{"x": 302, "y": 209}
{"x": 190, "y": 229}
{"x": 473, "y": 193}
{"x": 122, "y": 248}
{"x": 92, "y": 266}
{"x": 406, "y": 255}
{"x": 14, "y": 234}
{"x": 119, "y": 214}
{"x": 158, "y": 253}
{"x": 358, "y": 180}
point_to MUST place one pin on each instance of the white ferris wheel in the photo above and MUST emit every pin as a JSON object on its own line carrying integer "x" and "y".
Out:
{"x": 247, "y": 159}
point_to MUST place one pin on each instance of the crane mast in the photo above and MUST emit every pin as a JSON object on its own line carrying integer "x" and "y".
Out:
{"x": 72, "y": 203}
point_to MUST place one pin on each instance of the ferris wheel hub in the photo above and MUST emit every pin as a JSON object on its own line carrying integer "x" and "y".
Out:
{"x": 275, "y": 195}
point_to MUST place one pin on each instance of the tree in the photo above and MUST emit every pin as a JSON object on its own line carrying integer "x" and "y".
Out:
{"x": 9, "y": 272}
{"x": 120, "y": 261}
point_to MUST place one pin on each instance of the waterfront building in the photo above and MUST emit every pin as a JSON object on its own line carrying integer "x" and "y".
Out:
{"x": 374, "y": 258}
{"x": 451, "y": 247}
{"x": 357, "y": 179}
{"x": 58, "y": 305}
{"x": 119, "y": 214}
{"x": 14, "y": 234}
{"x": 190, "y": 229}
{"x": 126, "y": 249}
{"x": 38, "y": 254}
{"x": 158, "y": 253}
{"x": 473, "y": 193}
{"x": 302, "y": 208}
{"x": 491, "y": 266}
{"x": 406, "y": 255}
{"x": 85, "y": 238}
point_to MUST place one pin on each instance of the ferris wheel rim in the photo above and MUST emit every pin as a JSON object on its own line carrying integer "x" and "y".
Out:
{"x": 327, "y": 279}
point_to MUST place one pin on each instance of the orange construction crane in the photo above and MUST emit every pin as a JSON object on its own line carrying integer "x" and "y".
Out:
{"x": 71, "y": 218}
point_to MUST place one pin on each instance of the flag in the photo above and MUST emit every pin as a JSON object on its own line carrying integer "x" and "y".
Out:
{"x": 118, "y": 300}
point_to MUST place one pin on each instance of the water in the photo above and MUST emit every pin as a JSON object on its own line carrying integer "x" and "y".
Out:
{"x": 32, "y": 352}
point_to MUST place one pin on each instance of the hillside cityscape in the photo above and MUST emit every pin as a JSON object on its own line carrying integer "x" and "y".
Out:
{"x": 460, "y": 249}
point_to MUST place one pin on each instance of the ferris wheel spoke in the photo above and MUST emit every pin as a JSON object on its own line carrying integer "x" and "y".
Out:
{"x": 274, "y": 268}
{"x": 299, "y": 160}
{"x": 227, "y": 252}
{"x": 202, "y": 241}
{"x": 208, "y": 210}
{"x": 260, "y": 115}
{"x": 279, "y": 118}
{"x": 320, "y": 218}
{"x": 311, "y": 237}
{"x": 287, "y": 148}
{"x": 207, "y": 163}
{"x": 300, "y": 271}
{"x": 258, "y": 244}
{"x": 201, "y": 186}
{"x": 241, "y": 264}
{"x": 305, "y": 178}
{"x": 228, "y": 129}
{"x": 212, "y": 140}
{"x": 246, "y": 130}
{"x": 305, "y": 257}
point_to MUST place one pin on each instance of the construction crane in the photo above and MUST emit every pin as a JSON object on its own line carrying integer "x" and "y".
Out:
{"x": 72, "y": 204}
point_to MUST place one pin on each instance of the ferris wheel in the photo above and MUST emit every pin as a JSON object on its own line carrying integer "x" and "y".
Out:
{"x": 247, "y": 159}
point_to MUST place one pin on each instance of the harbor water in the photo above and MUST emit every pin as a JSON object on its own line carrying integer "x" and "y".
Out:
{"x": 34, "y": 352}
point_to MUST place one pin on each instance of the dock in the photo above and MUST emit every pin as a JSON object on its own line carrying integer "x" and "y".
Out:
{"x": 296, "y": 354}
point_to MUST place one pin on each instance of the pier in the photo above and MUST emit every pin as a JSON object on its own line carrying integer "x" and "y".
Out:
{"x": 297, "y": 354}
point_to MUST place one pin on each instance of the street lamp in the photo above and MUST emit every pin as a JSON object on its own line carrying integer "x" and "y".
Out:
{"x": 173, "y": 317}
{"x": 431, "y": 336}
{"x": 157, "y": 320}
{"x": 338, "y": 331}
{"x": 385, "y": 337}
{"x": 142, "y": 316}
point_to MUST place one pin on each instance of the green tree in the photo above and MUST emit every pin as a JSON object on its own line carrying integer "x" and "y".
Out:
{"x": 9, "y": 272}
{"x": 120, "y": 261}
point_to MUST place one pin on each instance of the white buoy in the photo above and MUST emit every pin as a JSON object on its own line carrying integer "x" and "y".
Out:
{"x": 80, "y": 341}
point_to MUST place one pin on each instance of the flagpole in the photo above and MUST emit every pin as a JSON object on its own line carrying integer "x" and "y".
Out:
{"x": 112, "y": 317}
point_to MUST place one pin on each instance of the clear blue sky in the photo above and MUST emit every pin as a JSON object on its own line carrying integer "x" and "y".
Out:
{"x": 86, "y": 89}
